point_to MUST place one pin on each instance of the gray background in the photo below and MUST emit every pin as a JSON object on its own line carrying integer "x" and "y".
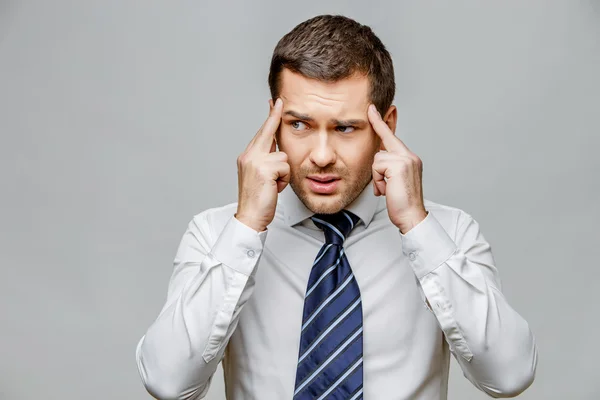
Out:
{"x": 120, "y": 120}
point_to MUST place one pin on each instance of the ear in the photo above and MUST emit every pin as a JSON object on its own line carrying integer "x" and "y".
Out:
{"x": 271, "y": 105}
{"x": 391, "y": 117}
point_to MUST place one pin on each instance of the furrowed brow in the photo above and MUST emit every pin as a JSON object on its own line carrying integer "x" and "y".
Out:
{"x": 348, "y": 122}
{"x": 337, "y": 122}
{"x": 303, "y": 117}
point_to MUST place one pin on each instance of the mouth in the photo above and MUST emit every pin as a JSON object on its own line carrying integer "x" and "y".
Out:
{"x": 325, "y": 184}
{"x": 323, "y": 178}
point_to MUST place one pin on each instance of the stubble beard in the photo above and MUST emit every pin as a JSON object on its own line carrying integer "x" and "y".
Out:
{"x": 330, "y": 204}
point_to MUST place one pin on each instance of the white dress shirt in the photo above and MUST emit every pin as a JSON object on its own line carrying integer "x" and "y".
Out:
{"x": 237, "y": 296}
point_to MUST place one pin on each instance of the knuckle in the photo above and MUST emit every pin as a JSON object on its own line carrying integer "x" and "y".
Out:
{"x": 263, "y": 169}
{"x": 277, "y": 156}
{"x": 411, "y": 158}
{"x": 251, "y": 164}
{"x": 241, "y": 160}
{"x": 404, "y": 164}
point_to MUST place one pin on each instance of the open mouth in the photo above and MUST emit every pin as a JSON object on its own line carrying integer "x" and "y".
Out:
{"x": 324, "y": 180}
{"x": 323, "y": 185}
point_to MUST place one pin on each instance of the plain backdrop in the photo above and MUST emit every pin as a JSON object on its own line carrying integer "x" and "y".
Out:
{"x": 122, "y": 119}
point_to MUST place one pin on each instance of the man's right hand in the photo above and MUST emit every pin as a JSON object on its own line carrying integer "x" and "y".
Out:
{"x": 262, "y": 174}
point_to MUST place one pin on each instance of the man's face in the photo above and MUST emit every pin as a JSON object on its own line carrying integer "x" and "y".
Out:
{"x": 329, "y": 141}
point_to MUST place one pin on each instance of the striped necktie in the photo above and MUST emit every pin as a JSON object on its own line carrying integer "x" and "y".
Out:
{"x": 331, "y": 345}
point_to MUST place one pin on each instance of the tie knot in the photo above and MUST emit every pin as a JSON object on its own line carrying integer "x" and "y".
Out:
{"x": 336, "y": 226}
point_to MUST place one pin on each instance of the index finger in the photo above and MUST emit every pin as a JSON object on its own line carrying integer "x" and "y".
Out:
{"x": 265, "y": 136}
{"x": 390, "y": 141}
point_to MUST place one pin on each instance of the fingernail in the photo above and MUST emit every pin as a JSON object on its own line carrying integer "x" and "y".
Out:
{"x": 372, "y": 108}
{"x": 278, "y": 102}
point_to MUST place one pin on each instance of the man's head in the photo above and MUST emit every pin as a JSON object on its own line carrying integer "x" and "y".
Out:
{"x": 327, "y": 71}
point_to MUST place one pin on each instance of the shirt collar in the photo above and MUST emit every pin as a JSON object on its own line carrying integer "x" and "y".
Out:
{"x": 294, "y": 211}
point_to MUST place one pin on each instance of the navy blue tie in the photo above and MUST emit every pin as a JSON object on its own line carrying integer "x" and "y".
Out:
{"x": 331, "y": 345}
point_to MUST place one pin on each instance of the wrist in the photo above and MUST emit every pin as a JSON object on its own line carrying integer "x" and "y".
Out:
{"x": 256, "y": 225}
{"x": 410, "y": 220}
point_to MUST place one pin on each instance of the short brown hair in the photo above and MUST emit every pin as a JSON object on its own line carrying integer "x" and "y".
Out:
{"x": 334, "y": 47}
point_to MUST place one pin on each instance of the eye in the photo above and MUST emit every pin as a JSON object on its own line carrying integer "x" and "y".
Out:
{"x": 345, "y": 129}
{"x": 297, "y": 125}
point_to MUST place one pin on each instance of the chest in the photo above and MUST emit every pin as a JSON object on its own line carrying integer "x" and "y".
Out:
{"x": 394, "y": 315}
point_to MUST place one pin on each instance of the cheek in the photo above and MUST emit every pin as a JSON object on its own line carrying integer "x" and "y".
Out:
{"x": 296, "y": 150}
{"x": 359, "y": 153}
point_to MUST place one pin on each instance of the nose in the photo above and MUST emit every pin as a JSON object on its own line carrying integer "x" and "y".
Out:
{"x": 323, "y": 153}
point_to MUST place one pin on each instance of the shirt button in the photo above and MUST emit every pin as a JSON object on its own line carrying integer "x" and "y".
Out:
{"x": 250, "y": 253}
{"x": 412, "y": 256}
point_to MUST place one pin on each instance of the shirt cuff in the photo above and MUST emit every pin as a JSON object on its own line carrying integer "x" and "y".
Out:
{"x": 239, "y": 247}
{"x": 427, "y": 245}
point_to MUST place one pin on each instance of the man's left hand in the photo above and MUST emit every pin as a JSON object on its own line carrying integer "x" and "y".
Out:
{"x": 397, "y": 174}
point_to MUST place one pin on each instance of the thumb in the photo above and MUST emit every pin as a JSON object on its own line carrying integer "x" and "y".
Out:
{"x": 281, "y": 185}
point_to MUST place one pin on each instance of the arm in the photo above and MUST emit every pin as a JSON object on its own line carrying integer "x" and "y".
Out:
{"x": 213, "y": 279}
{"x": 211, "y": 282}
{"x": 491, "y": 342}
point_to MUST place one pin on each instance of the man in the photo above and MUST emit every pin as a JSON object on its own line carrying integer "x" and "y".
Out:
{"x": 348, "y": 283}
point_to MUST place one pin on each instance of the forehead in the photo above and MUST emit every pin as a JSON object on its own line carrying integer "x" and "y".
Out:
{"x": 318, "y": 98}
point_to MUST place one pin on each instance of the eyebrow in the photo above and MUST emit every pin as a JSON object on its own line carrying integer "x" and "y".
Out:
{"x": 308, "y": 118}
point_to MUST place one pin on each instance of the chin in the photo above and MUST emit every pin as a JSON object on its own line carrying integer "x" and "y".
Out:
{"x": 322, "y": 203}
{"x": 332, "y": 203}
